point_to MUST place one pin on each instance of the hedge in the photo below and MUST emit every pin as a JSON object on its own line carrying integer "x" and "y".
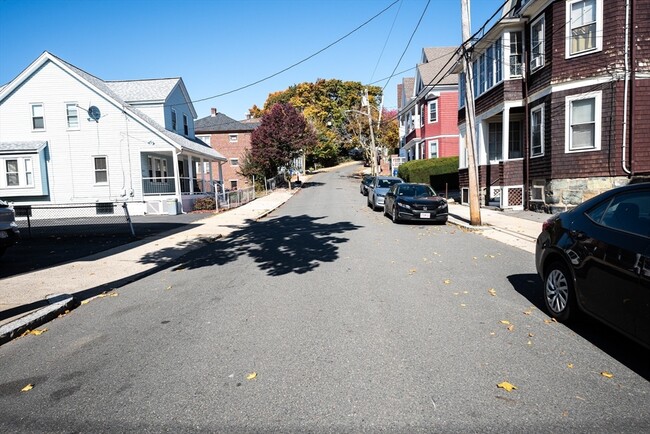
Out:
{"x": 422, "y": 170}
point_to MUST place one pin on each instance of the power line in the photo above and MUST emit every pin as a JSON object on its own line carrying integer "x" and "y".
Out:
{"x": 390, "y": 32}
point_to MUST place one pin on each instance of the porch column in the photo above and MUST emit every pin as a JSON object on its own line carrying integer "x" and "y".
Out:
{"x": 177, "y": 176}
{"x": 221, "y": 174}
{"x": 505, "y": 125}
{"x": 211, "y": 179}
{"x": 417, "y": 150}
{"x": 190, "y": 169}
{"x": 202, "y": 170}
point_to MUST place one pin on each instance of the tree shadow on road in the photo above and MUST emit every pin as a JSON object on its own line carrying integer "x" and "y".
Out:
{"x": 626, "y": 351}
{"x": 283, "y": 245}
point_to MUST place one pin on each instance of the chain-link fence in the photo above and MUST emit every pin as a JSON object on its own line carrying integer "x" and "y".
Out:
{"x": 97, "y": 219}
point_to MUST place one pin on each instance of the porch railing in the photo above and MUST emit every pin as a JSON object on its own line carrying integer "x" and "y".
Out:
{"x": 160, "y": 186}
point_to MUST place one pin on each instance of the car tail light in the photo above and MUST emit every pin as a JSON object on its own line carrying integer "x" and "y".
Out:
{"x": 548, "y": 224}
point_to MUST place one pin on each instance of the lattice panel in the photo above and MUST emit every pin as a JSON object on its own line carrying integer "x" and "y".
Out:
{"x": 515, "y": 197}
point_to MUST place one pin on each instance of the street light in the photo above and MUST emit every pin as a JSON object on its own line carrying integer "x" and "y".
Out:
{"x": 373, "y": 149}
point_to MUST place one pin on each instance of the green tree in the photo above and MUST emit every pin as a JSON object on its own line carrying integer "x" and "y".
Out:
{"x": 281, "y": 137}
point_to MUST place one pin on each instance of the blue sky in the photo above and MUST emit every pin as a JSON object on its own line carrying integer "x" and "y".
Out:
{"x": 218, "y": 46}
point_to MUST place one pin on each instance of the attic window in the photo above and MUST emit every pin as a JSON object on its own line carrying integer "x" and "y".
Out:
{"x": 232, "y": 138}
{"x": 186, "y": 128}
{"x": 173, "y": 120}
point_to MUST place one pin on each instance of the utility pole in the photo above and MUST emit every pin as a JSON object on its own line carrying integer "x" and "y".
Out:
{"x": 474, "y": 207}
{"x": 373, "y": 149}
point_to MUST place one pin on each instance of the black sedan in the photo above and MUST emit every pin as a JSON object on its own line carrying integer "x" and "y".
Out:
{"x": 366, "y": 180}
{"x": 407, "y": 201}
{"x": 596, "y": 258}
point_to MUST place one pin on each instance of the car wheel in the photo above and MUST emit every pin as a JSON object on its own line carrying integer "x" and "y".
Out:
{"x": 368, "y": 200}
{"x": 558, "y": 291}
{"x": 395, "y": 217}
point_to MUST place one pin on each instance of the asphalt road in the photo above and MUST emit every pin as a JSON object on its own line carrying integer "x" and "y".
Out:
{"x": 326, "y": 317}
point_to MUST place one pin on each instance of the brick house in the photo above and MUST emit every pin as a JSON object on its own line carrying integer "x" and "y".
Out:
{"x": 560, "y": 90}
{"x": 231, "y": 139}
{"x": 428, "y": 108}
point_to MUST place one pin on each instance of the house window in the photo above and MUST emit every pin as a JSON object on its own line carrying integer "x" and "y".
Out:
{"x": 234, "y": 161}
{"x": 205, "y": 139}
{"x": 38, "y": 118}
{"x": 584, "y": 34}
{"x": 515, "y": 142}
{"x": 19, "y": 172}
{"x": 482, "y": 76}
{"x": 101, "y": 170}
{"x": 173, "y": 120}
{"x": 498, "y": 59}
{"x": 516, "y": 49}
{"x": 157, "y": 168}
{"x": 233, "y": 184}
{"x": 537, "y": 131}
{"x": 232, "y": 138}
{"x": 495, "y": 141}
{"x": 186, "y": 128}
{"x": 583, "y": 122}
{"x": 537, "y": 44}
{"x": 72, "y": 116}
{"x": 433, "y": 111}
{"x": 433, "y": 149}
{"x": 462, "y": 90}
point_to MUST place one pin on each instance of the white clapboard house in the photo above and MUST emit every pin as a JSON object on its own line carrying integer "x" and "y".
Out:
{"x": 68, "y": 137}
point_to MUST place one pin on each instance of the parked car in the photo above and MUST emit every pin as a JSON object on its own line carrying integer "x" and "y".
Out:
{"x": 378, "y": 188}
{"x": 419, "y": 202}
{"x": 596, "y": 258}
{"x": 9, "y": 232}
{"x": 365, "y": 182}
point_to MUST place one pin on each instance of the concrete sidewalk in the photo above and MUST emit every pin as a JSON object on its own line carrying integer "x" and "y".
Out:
{"x": 30, "y": 299}
{"x": 516, "y": 228}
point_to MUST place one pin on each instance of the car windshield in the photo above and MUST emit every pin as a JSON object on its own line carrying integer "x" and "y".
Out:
{"x": 416, "y": 191}
{"x": 386, "y": 183}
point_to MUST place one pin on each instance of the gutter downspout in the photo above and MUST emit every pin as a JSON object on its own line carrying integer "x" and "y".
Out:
{"x": 626, "y": 84}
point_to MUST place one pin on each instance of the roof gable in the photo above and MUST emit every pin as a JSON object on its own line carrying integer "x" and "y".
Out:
{"x": 220, "y": 123}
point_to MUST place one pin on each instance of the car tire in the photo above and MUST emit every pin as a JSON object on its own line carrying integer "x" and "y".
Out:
{"x": 395, "y": 215}
{"x": 559, "y": 296}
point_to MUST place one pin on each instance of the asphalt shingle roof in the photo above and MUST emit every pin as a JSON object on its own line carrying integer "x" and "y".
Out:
{"x": 437, "y": 64}
{"x": 221, "y": 123}
{"x": 22, "y": 146}
{"x": 144, "y": 90}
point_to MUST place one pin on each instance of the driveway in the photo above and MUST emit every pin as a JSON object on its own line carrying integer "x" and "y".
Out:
{"x": 66, "y": 243}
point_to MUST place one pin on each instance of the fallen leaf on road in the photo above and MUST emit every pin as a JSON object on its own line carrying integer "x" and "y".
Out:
{"x": 492, "y": 292}
{"x": 528, "y": 312}
{"x": 530, "y": 335}
{"x": 462, "y": 305}
{"x": 251, "y": 376}
{"x": 85, "y": 301}
{"x": 37, "y": 332}
{"x": 511, "y": 327}
{"x": 507, "y": 386}
{"x": 446, "y": 281}
{"x": 168, "y": 288}
{"x": 607, "y": 374}
{"x": 412, "y": 271}
{"x": 504, "y": 321}
{"x": 570, "y": 366}
{"x": 474, "y": 257}
{"x": 27, "y": 388}
{"x": 530, "y": 343}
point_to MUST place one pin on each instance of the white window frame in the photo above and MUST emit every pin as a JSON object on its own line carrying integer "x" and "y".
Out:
{"x": 433, "y": 144}
{"x": 96, "y": 170}
{"x": 598, "y": 5}
{"x": 432, "y": 104}
{"x": 539, "y": 108}
{"x": 537, "y": 62}
{"x": 24, "y": 171}
{"x": 233, "y": 138}
{"x": 597, "y": 97}
{"x": 517, "y": 55}
{"x": 68, "y": 116}
{"x": 234, "y": 162}
{"x": 498, "y": 129}
{"x": 173, "y": 120}
{"x": 234, "y": 186}
{"x": 34, "y": 116}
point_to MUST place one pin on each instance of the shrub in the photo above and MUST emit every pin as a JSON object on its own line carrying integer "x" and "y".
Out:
{"x": 422, "y": 170}
{"x": 205, "y": 204}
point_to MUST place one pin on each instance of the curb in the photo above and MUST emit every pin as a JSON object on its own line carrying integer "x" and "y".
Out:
{"x": 59, "y": 303}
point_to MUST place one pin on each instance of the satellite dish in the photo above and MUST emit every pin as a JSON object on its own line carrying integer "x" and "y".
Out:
{"x": 94, "y": 113}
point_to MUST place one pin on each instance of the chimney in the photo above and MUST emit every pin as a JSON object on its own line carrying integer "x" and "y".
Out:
{"x": 213, "y": 111}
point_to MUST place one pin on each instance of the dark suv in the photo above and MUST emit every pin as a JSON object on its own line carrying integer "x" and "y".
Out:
{"x": 9, "y": 232}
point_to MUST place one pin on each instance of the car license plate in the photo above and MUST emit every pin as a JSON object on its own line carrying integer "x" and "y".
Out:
{"x": 425, "y": 215}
